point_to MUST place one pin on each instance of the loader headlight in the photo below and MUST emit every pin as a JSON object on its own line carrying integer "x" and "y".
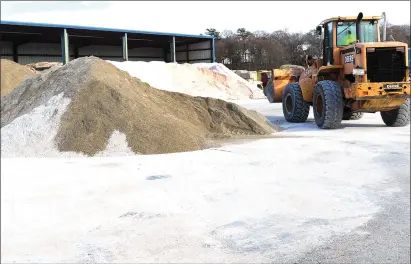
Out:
{"x": 358, "y": 71}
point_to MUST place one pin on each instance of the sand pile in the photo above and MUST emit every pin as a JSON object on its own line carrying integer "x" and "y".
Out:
{"x": 192, "y": 79}
{"x": 89, "y": 105}
{"x": 12, "y": 75}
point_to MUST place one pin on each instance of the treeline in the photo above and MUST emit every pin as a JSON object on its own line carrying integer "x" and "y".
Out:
{"x": 245, "y": 50}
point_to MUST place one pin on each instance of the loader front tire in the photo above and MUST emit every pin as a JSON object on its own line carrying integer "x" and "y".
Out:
{"x": 398, "y": 117}
{"x": 328, "y": 104}
{"x": 295, "y": 109}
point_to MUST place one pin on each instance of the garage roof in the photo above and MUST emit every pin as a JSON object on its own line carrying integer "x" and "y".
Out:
{"x": 23, "y": 32}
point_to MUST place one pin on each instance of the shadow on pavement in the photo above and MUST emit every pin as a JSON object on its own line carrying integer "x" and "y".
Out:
{"x": 362, "y": 125}
{"x": 310, "y": 125}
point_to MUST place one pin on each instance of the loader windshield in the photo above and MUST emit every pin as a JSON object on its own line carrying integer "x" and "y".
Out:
{"x": 346, "y": 32}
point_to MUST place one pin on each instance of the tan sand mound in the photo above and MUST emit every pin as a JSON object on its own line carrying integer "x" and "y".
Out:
{"x": 105, "y": 99}
{"x": 12, "y": 75}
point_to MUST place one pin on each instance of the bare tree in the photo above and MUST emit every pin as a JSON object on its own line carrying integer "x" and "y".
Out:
{"x": 399, "y": 33}
{"x": 271, "y": 50}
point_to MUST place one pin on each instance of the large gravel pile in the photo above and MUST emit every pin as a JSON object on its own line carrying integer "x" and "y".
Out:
{"x": 80, "y": 107}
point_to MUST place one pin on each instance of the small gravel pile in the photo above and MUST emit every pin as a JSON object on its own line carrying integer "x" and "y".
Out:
{"x": 12, "y": 75}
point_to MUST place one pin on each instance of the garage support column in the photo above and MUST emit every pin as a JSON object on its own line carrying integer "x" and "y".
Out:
{"x": 213, "y": 59}
{"x": 173, "y": 49}
{"x": 65, "y": 47}
{"x": 125, "y": 47}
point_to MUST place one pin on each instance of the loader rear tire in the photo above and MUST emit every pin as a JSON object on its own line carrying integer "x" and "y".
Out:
{"x": 348, "y": 115}
{"x": 295, "y": 109}
{"x": 398, "y": 117}
{"x": 328, "y": 104}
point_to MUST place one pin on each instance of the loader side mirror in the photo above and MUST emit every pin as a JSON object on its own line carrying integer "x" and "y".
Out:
{"x": 318, "y": 30}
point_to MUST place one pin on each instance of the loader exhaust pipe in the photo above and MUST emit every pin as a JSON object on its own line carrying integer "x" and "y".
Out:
{"x": 358, "y": 26}
{"x": 384, "y": 32}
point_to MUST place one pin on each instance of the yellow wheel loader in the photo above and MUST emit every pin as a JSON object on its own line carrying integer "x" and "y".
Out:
{"x": 357, "y": 73}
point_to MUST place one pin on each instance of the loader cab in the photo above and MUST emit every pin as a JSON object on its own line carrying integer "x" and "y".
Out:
{"x": 341, "y": 32}
{"x": 347, "y": 32}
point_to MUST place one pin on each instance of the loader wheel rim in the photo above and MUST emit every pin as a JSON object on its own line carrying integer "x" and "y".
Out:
{"x": 319, "y": 105}
{"x": 289, "y": 103}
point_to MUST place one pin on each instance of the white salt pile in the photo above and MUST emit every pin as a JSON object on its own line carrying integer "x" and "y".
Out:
{"x": 32, "y": 134}
{"x": 203, "y": 79}
{"x": 222, "y": 69}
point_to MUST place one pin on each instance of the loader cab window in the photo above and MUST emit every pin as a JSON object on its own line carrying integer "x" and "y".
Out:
{"x": 328, "y": 45}
{"x": 347, "y": 32}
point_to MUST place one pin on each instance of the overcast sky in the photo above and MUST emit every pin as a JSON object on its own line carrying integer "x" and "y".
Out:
{"x": 194, "y": 17}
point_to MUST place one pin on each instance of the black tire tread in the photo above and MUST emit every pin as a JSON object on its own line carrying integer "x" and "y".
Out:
{"x": 302, "y": 108}
{"x": 334, "y": 104}
{"x": 399, "y": 117}
{"x": 352, "y": 116}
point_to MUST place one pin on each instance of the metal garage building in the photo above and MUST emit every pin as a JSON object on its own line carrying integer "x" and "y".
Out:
{"x": 33, "y": 42}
